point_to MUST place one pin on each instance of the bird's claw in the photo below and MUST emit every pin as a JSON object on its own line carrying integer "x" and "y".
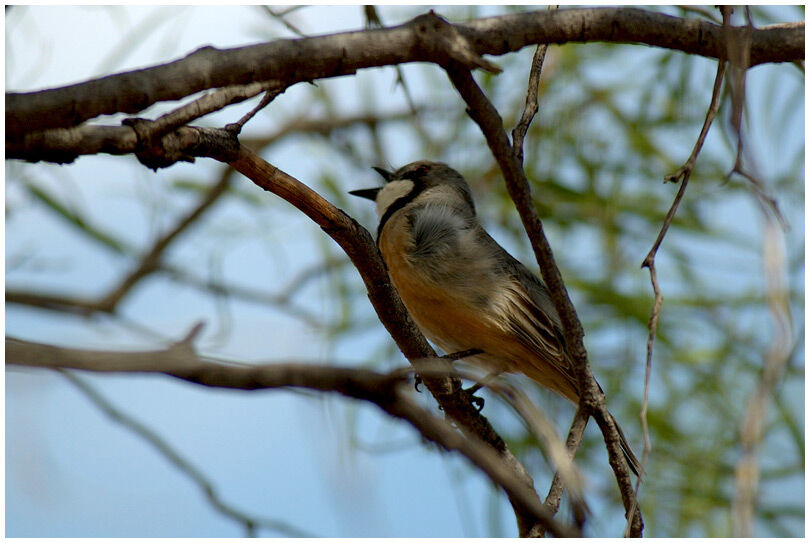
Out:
{"x": 476, "y": 401}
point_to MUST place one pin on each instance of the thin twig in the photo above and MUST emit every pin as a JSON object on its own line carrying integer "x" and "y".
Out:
{"x": 250, "y": 522}
{"x": 581, "y": 418}
{"x": 268, "y": 97}
{"x": 280, "y": 17}
{"x": 572, "y": 442}
{"x": 577, "y": 428}
{"x": 682, "y": 174}
{"x": 531, "y": 107}
{"x": 152, "y": 131}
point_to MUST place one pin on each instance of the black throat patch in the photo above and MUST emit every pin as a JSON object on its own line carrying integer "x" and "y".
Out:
{"x": 399, "y": 203}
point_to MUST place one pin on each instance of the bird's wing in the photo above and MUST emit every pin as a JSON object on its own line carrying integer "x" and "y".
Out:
{"x": 535, "y": 321}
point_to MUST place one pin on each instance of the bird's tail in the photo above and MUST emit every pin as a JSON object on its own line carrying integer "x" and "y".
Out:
{"x": 632, "y": 461}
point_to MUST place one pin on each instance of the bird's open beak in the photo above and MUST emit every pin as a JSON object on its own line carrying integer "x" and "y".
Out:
{"x": 384, "y": 173}
{"x": 369, "y": 194}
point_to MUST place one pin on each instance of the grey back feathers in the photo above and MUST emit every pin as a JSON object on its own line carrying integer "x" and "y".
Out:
{"x": 448, "y": 238}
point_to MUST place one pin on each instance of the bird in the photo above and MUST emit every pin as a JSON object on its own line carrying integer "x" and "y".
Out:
{"x": 463, "y": 290}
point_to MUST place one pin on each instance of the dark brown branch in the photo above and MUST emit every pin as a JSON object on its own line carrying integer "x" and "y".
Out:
{"x": 64, "y": 145}
{"x": 383, "y": 390}
{"x": 591, "y": 398}
{"x": 531, "y": 107}
{"x": 577, "y": 429}
{"x": 296, "y": 60}
{"x": 362, "y": 251}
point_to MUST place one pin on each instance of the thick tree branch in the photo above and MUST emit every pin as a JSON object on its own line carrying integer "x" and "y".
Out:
{"x": 296, "y": 60}
{"x": 383, "y": 390}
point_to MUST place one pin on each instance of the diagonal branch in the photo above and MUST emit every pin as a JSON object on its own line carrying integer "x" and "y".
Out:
{"x": 518, "y": 135}
{"x": 362, "y": 251}
{"x": 489, "y": 120}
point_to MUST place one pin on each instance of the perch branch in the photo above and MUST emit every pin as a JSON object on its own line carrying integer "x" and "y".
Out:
{"x": 489, "y": 120}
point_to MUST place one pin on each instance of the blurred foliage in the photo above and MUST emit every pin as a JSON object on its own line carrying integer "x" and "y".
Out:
{"x": 614, "y": 120}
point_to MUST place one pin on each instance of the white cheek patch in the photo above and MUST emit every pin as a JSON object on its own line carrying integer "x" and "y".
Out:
{"x": 392, "y": 192}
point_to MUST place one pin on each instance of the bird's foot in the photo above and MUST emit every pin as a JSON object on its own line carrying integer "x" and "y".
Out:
{"x": 476, "y": 401}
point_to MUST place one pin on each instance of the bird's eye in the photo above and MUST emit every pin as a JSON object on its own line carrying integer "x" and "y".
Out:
{"x": 416, "y": 174}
